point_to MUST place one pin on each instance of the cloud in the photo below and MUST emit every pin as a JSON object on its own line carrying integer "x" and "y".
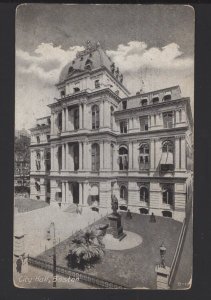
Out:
{"x": 136, "y": 55}
{"x": 37, "y": 73}
{"x": 46, "y": 62}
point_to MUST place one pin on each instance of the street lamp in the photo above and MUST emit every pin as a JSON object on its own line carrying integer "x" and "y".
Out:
{"x": 162, "y": 255}
{"x": 52, "y": 225}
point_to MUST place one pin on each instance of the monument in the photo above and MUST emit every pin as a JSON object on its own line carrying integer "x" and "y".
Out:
{"x": 115, "y": 227}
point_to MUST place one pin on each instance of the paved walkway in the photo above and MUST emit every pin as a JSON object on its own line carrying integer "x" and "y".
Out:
{"x": 34, "y": 226}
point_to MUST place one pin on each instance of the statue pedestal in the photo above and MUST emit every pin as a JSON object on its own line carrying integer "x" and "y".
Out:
{"x": 162, "y": 277}
{"x": 115, "y": 227}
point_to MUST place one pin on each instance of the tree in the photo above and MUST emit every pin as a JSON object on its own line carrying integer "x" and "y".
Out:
{"x": 22, "y": 159}
{"x": 86, "y": 248}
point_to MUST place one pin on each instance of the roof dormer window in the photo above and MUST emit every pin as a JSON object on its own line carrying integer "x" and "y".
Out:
{"x": 88, "y": 64}
{"x": 76, "y": 89}
{"x": 144, "y": 102}
{"x": 70, "y": 70}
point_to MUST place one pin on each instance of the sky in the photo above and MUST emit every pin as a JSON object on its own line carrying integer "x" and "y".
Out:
{"x": 153, "y": 46}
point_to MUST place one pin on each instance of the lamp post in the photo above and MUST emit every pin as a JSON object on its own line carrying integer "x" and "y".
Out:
{"x": 162, "y": 255}
{"x": 52, "y": 225}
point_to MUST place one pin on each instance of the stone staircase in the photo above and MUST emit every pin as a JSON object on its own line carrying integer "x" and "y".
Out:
{"x": 71, "y": 208}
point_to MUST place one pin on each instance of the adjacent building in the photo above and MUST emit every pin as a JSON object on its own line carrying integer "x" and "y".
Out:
{"x": 100, "y": 141}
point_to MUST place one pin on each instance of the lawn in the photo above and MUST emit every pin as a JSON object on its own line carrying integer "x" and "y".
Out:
{"x": 25, "y": 204}
{"x": 133, "y": 267}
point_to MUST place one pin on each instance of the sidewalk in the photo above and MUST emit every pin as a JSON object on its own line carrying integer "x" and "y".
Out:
{"x": 34, "y": 226}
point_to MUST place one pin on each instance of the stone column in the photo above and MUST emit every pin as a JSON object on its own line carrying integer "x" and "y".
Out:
{"x": 152, "y": 154}
{"x": 67, "y": 200}
{"x": 52, "y": 158}
{"x": 135, "y": 155}
{"x": 86, "y": 116}
{"x": 63, "y": 192}
{"x": 116, "y": 156}
{"x": 52, "y": 123}
{"x": 183, "y": 153}
{"x": 101, "y": 155}
{"x": 101, "y": 114}
{"x": 67, "y": 157}
{"x": 63, "y": 119}
{"x": 63, "y": 156}
{"x": 158, "y": 152}
{"x": 130, "y": 151}
{"x": 107, "y": 155}
{"x": 107, "y": 114}
{"x": 177, "y": 153}
{"x": 89, "y": 156}
{"x": 80, "y": 156}
{"x": 86, "y": 192}
{"x": 80, "y": 193}
{"x": 183, "y": 115}
{"x": 67, "y": 119}
{"x": 80, "y": 116}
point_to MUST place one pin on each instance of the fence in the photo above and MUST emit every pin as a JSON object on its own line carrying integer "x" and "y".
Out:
{"x": 83, "y": 277}
{"x": 178, "y": 250}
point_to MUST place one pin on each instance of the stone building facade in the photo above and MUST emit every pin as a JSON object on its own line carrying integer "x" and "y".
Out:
{"x": 100, "y": 141}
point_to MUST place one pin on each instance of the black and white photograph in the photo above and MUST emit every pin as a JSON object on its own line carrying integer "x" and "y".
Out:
{"x": 103, "y": 146}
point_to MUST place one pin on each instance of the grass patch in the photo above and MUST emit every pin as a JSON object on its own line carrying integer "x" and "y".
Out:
{"x": 132, "y": 267}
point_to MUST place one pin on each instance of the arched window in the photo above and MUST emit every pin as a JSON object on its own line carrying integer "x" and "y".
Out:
{"x": 95, "y": 157}
{"x": 123, "y": 158}
{"x": 144, "y": 156}
{"x": 167, "y": 159}
{"x": 144, "y": 194}
{"x": 111, "y": 117}
{"x": 48, "y": 161}
{"x": 38, "y": 161}
{"x": 167, "y": 147}
{"x": 168, "y": 119}
{"x": 97, "y": 83}
{"x": 88, "y": 64}
{"x": 76, "y": 118}
{"x": 168, "y": 194}
{"x": 144, "y": 102}
{"x": 123, "y": 193}
{"x": 112, "y": 156}
{"x": 155, "y": 100}
{"x": 38, "y": 139}
{"x": 95, "y": 117}
{"x": 167, "y": 97}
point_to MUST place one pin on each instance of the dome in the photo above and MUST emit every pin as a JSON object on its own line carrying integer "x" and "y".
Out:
{"x": 93, "y": 57}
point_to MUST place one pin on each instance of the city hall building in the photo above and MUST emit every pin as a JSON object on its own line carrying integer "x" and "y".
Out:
{"x": 100, "y": 141}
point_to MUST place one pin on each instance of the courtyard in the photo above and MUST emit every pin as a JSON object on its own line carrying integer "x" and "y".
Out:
{"x": 134, "y": 267}
{"x": 23, "y": 203}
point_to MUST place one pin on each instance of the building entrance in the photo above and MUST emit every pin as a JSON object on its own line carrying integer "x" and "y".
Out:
{"x": 75, "y": 186}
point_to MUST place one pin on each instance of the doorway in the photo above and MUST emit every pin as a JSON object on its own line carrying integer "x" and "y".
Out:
{"x": 75, "y": 187}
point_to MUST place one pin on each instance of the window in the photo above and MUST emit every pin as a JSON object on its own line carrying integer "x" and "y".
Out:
{"x": 167, "y": 159}
{"x": 168, "y": 119}
{"x": 97, "y": 84}
{"x": 38, "y": 139}
{"x": 180, "y": 116}
{"x": 155, "y": 100}
{"x": 48, "y": 161}
{"x": 123, "y": 126}
{"x": 167, "y": 97}
{"x": 95, "y": 117}
{"x": 38, "y": 161}
{"x": 70, "y": 69}
{"x": 88, "y": 64}
{"x": 144, "y": 123}
{"x": 167, "y": 147}
{"x": 48, "y": 137}
{"x": 112, "y": 156}
{"x": 124, "y": 104}
{"x": 123, "y": 158}
{"x": 111, "y": 117}
{"x": 76, "y": 156}
{"x": 144, "y": 194}
{"x": 48, "y": 186}
{"x": 168, "y": 194}
{"x": 60, "y": 122}
{"x": 123, "y": 193}
{"x": 37, "y": 185}
{"x": 62, "y": 93}
{"x": 154, "y": 119}
{"x": 76, "y": 118}
{"x": 76, "y": 89}
{"x": 95, "y": 157}
{"x": 144, "y": 157}
{"x": 144, "y": 102}
{"x": 59, "y": 158}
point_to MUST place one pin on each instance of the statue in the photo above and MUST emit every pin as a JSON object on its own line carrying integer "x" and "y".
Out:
{"x": 113, "y": 67}
{"x": 114, "y": 204}
{"x": 121, "y": 78}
